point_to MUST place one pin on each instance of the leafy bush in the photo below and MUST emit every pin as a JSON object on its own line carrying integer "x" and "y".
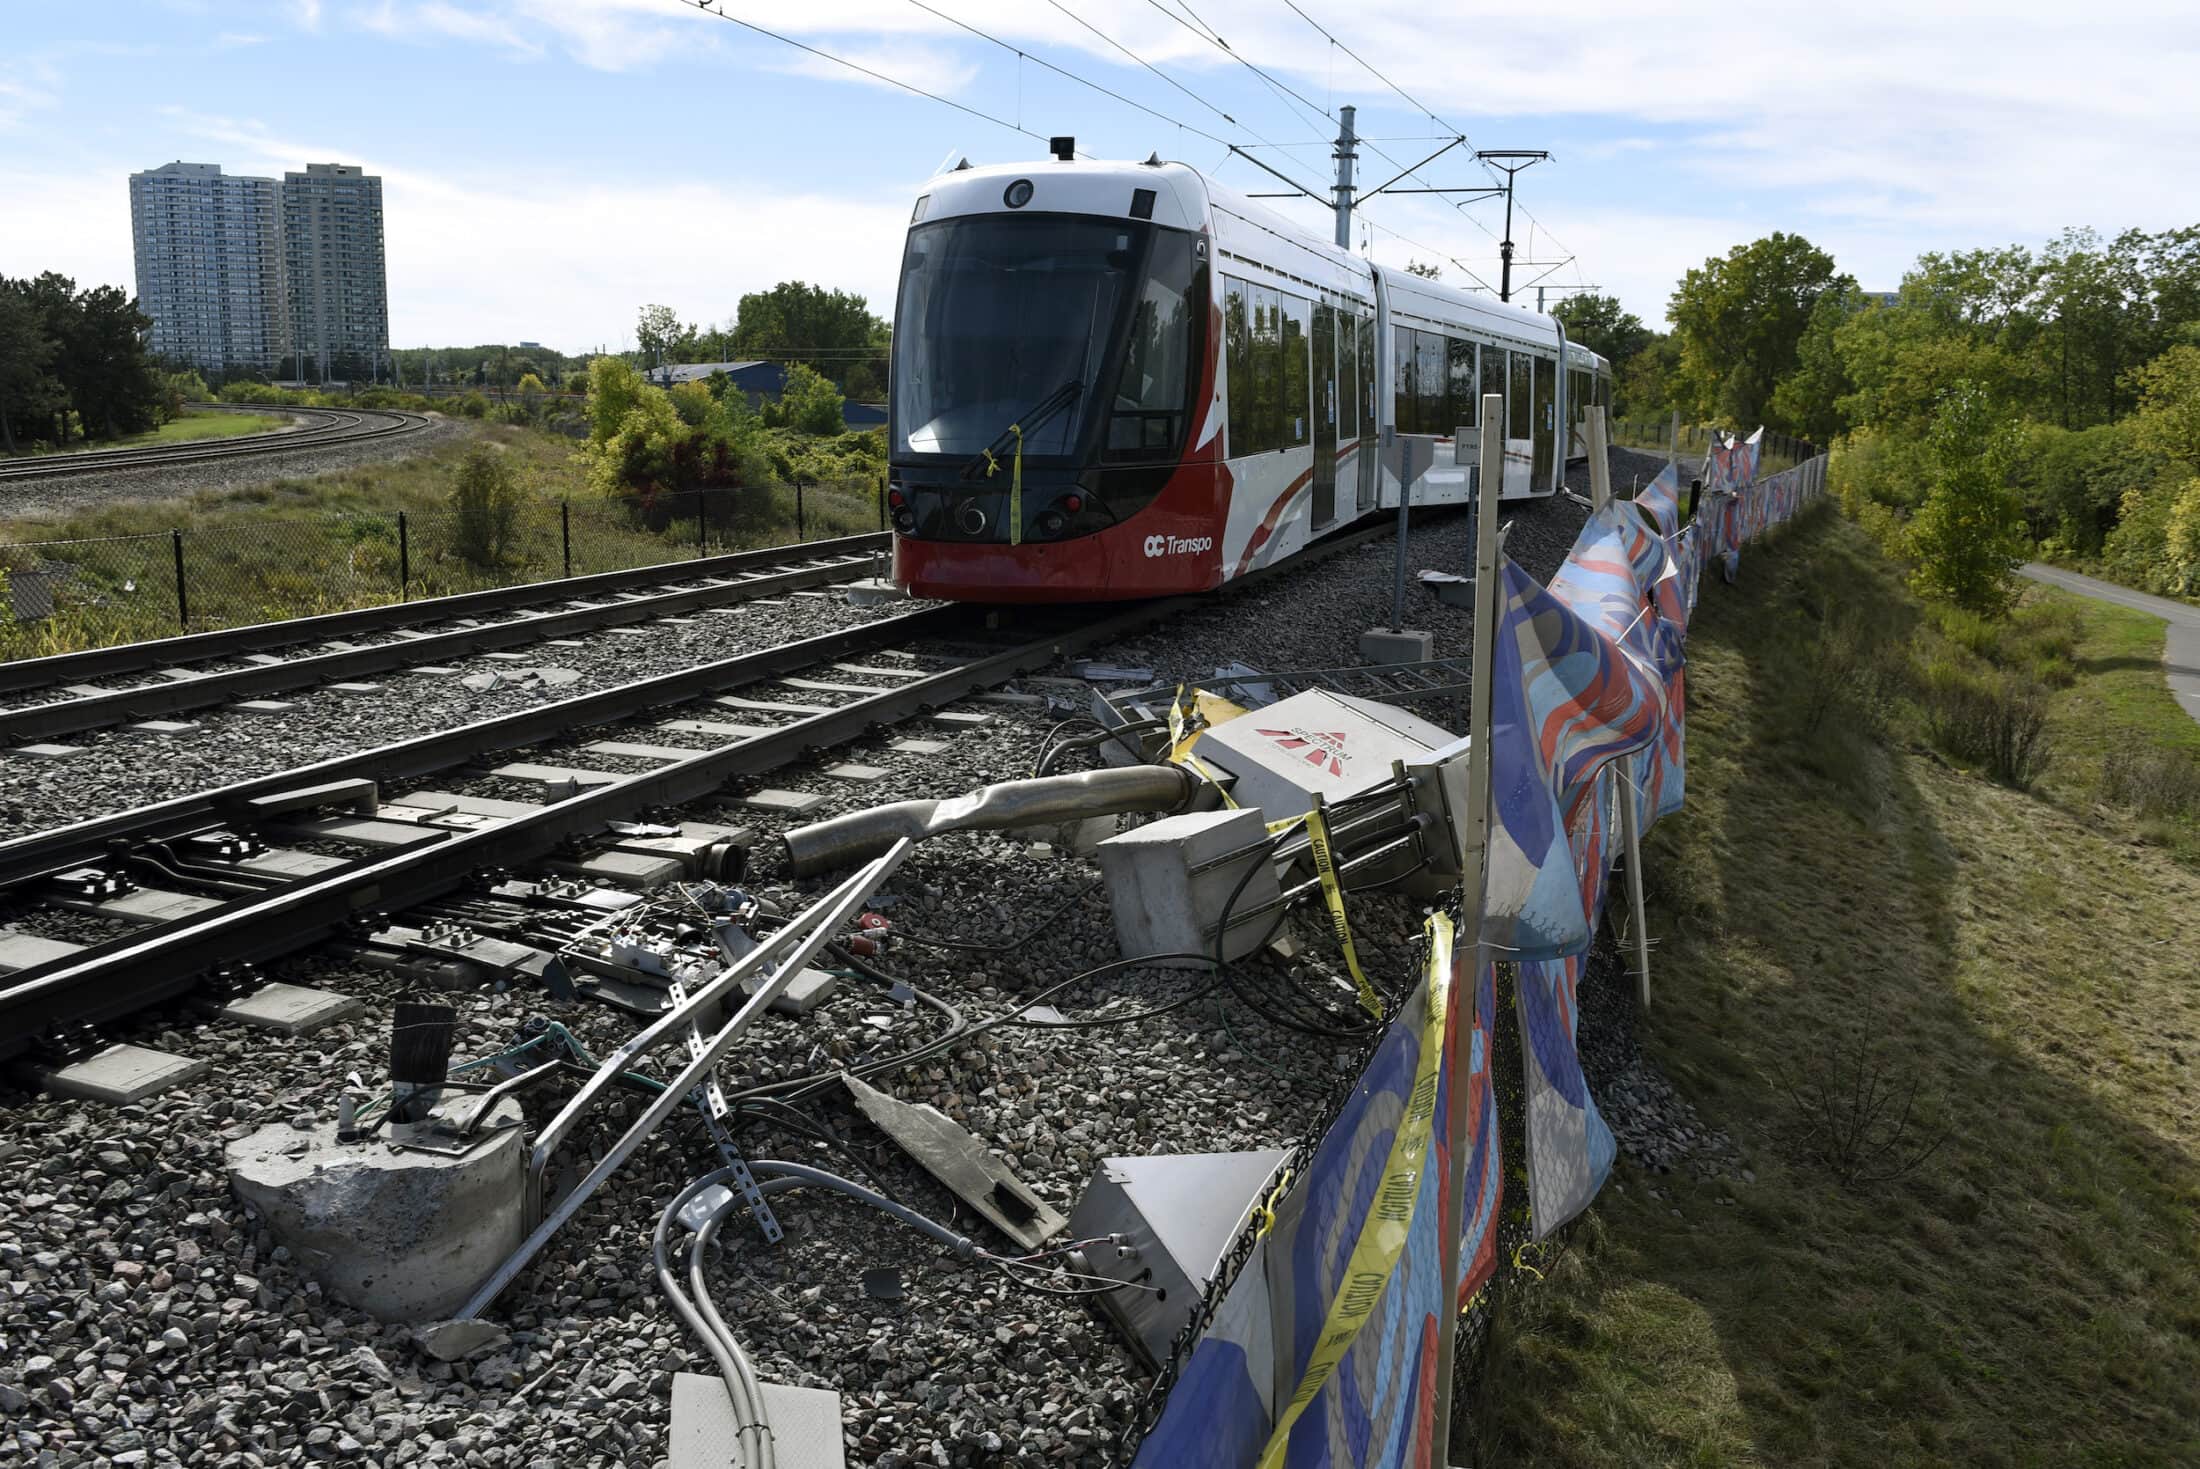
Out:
{"x": 485, "y": 502}
{"x": 809, "y": 403}
{"x": 1994, "y": 720}
{"x": 473, "y": 405}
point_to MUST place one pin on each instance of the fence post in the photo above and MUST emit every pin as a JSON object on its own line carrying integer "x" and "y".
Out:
{"x": 801, "y": 527}
{"x": 882, "y": 508}
{"x": 183, "y": 601}
{"x": 565, "y": 532}
{"x": 404, "y": 560}
{"x": 702, "y": 524}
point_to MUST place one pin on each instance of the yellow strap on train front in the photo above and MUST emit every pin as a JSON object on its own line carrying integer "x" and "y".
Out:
{"x": 1016, "y": 490}
{"x": 1390, "y": 1218}
{"x": 1317, "y": 834}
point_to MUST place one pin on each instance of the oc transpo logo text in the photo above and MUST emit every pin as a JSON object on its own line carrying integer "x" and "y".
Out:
{"x": 1177, "y": 545}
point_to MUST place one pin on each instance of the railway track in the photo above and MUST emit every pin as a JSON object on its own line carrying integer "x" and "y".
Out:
{"x": 267, "y": 867}
{"x": 64, "y": 694}
{"x": 323, "y": 427}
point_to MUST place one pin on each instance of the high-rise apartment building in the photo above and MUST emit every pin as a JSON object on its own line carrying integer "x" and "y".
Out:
{"x": 209, "y": 265}
{"x": 337, "y": 290}
{"x": 247, "y": 273}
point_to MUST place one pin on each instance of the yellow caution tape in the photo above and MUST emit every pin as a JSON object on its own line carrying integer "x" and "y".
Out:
{"x": 1016, "y": 490}
{"x": 1317, "y": 832}
{"x": 1183, "y": 734}
{"x": 1266, "y": 1210}
{"x": 1383, "y": 1237}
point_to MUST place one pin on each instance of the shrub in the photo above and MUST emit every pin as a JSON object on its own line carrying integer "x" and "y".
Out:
{"x": 1846, "y": 673}
{"x": 2151, "y": 782}
{"x": 1856, "y": 1109}
{"x": 1994, "y": 720}
{"x": 473, "y": 405}
{"x": 485, "y": 505}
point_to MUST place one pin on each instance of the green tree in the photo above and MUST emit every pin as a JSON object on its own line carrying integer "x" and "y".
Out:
{"x": 2168, "y": 420}
{"x": 615, "y": 386}
{"x": 1808, "y": 399}
{"x": 655, "y": 331}
{"x": 1968, "y": 537}
{"x": 1601, "y": 324}
{"x": 28, "y": 391}
{"x": 834, "y": 331}
{"x": 809, "y": 404}
{"x": 1740, "y": 319}
{"x": 1647, "y": 384}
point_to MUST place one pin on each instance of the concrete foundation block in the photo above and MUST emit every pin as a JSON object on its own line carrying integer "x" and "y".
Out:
{"x": 1162, "y": 906}
{"x": 48, "y": 752}
{"x": 164, "y": 726}
{"x": 865, "y": 773}
{"x": 874, "y": 591}
{"x": 121, "y": 1075}
{"x": 921, "y": 747}
{"x": 642, "y": 871}
{"x": 403, "y": 1235}
{"x": 1382, "y": 645}
{"x": 261, "y": 706}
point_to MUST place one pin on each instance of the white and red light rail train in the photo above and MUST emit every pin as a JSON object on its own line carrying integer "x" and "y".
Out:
{"x": 1116, "y": 380}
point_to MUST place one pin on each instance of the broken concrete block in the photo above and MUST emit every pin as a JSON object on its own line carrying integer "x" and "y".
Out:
{"x": 448, "y": 1341}
{"x": 402, "y": 1234}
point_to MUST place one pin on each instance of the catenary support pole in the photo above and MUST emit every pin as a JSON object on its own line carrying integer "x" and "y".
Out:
{"x": 1345, "y": 157}
{"x": 1600, "y": 495}
{"x": 1471, "y": 881}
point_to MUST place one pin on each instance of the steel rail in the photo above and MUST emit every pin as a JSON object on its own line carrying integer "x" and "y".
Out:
{"x": 71, "y": 716}
{"x": 25, "y": 859}
{"x": 345, "y": 426}
{"x": 230, "y": 642}
{"x": 129, "y": 974}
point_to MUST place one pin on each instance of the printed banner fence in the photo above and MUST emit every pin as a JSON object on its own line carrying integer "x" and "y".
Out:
{"x": 1322, "y": 1352}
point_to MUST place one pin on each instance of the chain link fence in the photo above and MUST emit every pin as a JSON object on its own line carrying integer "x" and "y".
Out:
{"x": 62, "y": 595}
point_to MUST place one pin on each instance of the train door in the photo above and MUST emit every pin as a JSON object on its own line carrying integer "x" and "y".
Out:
{"x": 1325, "y": 414}
{"x": 1519, "y": 423}
{"x": 1351, "y": 451}
{"x": 1546, "y": 423}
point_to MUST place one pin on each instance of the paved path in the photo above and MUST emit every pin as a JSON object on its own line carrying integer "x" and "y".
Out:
{"x": 2180, "y": 650}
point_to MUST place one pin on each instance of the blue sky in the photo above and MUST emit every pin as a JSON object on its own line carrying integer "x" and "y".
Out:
{"x": 551, "y": 166}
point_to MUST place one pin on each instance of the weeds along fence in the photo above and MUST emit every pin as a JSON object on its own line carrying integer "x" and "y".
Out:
{"x": 62, "y": 595}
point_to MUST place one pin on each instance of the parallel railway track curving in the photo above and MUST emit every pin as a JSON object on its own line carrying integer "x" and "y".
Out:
{"x": 323, "y": 428}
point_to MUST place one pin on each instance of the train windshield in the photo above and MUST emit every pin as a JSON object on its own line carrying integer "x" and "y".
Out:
{"x": 1000, "y": 313}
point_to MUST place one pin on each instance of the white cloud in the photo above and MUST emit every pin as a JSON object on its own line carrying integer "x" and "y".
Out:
{"x": 26, "y": 86}
{"x": 932, "y": 68}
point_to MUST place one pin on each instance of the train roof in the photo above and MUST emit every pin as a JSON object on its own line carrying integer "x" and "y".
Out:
{"x": 1245, "y": 228}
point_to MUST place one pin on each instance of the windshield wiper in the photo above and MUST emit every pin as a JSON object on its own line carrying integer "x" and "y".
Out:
{"x": 1029, "y": 422}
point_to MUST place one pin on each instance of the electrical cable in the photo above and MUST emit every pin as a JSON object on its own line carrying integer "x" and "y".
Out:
{"x": 732, "y": 1363}
{"x": 966, "y": 947}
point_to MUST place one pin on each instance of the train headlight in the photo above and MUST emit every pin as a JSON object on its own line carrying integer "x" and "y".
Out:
{"x": 1051, "y": 522}
{"x": 1017, "y": 194}
{"x": 905, "y": 520}
{"x": 970, "y": 519}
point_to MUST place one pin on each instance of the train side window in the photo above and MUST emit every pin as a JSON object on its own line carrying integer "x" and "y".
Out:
{"x": 1237, "y": 333}
{"x": 1348, "y": 377}
{"x": 1406, "y": 412}
{"x": 1369, "y": 385}
{"x": 1459, "y": 360}
{"x": 1519, "y": 413}
{"x": 1297, "y": 420}
{"x": 1267, "y": 366}
{"x": 1428, "y": 358}
{"x": 1493, "y": 378}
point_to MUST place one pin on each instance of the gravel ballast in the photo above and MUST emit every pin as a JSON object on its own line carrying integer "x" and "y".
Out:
{"x": 149, "y": 1319}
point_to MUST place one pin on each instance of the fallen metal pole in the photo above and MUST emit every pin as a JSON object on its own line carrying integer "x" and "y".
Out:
{"x": 816, "y": 927}
{"x": 825, "y": 845}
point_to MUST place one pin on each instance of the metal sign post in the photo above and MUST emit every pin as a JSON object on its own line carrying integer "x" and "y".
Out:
{"x": 1471, "y": 882}
{"x": 1407, "y": 459}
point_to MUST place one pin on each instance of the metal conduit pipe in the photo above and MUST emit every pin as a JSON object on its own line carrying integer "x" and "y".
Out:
{"x": 825, "y": 845}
